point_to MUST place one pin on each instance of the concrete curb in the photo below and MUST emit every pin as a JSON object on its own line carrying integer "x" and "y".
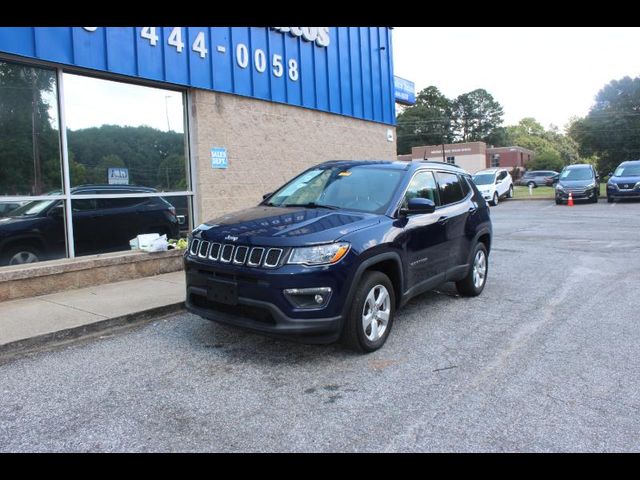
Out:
{"x": 90, "y": 330}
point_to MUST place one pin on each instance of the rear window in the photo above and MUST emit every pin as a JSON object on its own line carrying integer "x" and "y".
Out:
{"x": 449, "y": 188}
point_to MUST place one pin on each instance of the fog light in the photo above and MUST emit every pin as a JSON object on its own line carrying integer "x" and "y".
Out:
{"x": 308, "y": 297}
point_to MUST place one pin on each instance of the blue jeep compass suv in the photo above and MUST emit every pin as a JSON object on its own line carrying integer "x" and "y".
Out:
{"x": 337, "y": 250}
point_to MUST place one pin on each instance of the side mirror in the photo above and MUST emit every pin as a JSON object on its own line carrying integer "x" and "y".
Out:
{"x": 267, "y": 195}
{"x": 611, "y": 174}
{"x": 419, "y": 205}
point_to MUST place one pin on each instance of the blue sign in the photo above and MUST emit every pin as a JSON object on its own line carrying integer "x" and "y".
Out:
{"x": 405, "y": 91}
{"x": 219, "y": 157}
{"x": 343, "y": 70}
{"x": 118, "y": 176}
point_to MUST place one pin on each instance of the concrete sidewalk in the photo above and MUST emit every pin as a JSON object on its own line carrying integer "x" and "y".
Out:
{"x": 28, "y": 323}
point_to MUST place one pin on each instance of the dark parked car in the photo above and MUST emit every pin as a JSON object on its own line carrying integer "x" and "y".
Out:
{"x": 536, "y": 178}
{"x": 334, "y": 252}
{"x": 581, "y": 180}
{"x": 624, "y": 182}
{"x": 36, "y": 231}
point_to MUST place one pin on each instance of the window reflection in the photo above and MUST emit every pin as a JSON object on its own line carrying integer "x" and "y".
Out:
{"x": 33, "y": 232}
{"x": 125, "y": 134}
{"x": 29, "y": 141}
{"x": 108, "y": 224}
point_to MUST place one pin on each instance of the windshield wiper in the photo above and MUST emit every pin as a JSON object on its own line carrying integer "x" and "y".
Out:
{"x": 311, "y": 205}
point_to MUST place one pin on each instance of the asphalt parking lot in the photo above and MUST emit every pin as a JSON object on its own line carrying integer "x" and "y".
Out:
{"x": 546, "y": 359}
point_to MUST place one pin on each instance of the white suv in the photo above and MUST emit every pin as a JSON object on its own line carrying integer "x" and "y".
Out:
{"x": 494, "y": 184}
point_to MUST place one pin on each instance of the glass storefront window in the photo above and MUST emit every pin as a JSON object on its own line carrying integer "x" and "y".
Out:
{"x": 127, "y": 154}
{"x": 121, "y": 133}
{"x": 108, "y": 224}
{"x": 29, "y": 138}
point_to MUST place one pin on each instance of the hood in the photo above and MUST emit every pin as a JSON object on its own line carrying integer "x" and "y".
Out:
{"x": 12, "y": 224}
{"x": 275, "y": 226}
{"x": 630, "y": 180}
{"x": 576, "y": 183}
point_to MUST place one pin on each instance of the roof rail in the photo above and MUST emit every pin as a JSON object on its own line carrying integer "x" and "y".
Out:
{"x": 442, "y": 163}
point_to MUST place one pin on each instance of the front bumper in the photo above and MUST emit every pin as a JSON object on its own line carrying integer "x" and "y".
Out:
{"x": 261, "y": 304}
{"x": 613, "y": 192}
{"x": 587, "y": 195}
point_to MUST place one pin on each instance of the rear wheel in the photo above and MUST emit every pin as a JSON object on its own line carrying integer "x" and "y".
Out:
{"x": 473, "y": 284}
{"x": 510, "y": 194}
{"x": 531, "y": 184}
{"x": 371, "y": 314}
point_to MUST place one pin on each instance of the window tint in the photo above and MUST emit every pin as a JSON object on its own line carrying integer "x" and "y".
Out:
{"x": 449, "y": 188}
{"x": 119, "y": 202}
{"x": 502, "y": 175}
{"x": 422, "y": 185}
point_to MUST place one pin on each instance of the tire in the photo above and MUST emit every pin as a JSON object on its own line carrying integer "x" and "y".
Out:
{"x": 558, "y": 202}
{"x": 495, "y": 200}
{"x": 473, "y": 284}
{"x": 609, "y": 200}
{"x": 510, "y": 194}
{"x": 529, "y": 184}
{"x": 20, "y": 255}
{"x": 595, "y": 199}
{"x": 372, "y": 287}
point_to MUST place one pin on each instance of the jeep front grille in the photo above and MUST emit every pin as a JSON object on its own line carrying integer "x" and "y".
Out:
{"x": 236, "y": 254}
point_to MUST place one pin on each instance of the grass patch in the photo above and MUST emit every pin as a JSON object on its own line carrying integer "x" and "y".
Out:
{"x": 546, "y": 192}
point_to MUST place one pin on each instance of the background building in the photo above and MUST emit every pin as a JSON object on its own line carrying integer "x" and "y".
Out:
{"x": 474, "y": 156}
{"x": 211, "y": 118}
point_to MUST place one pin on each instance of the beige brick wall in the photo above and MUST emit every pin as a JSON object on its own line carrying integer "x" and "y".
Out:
{"x": 267, "y": 144}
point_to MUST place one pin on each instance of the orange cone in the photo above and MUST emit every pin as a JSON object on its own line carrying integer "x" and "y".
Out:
{"x": 570, "y": 202}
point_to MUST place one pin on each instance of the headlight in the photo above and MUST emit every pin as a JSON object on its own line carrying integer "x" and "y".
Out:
{"x": 559, "y": 187}
{"x": 319, "y": 254}
{"x": 591, "y": 185}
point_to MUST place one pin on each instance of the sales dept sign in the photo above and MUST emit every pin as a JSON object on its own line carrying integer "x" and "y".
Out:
{"x": 219, "y": 157}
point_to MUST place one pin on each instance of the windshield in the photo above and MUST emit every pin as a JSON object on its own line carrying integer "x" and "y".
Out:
{"x": 32, "y": 208}
{"x": 484, "y": 178}
{"x": 627, "y": 171}
{"x": 576, "y": 174}
{"x": 360, "y": 187}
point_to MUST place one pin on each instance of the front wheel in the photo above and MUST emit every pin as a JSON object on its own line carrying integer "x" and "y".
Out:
{"x": 371, "y": 315}
{"x": 495, "y": 200}
{"x": 473, "y": 284}
{"x": 22, "y": 255}
{"x": 531, "y": 184}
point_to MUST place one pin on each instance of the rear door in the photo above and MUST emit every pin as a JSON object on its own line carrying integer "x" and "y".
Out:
{"x": 453, "y": 212}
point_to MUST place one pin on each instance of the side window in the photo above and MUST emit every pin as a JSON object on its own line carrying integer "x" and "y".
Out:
{"x": 422, "y": 185}
{"x": 502, "y": 175}
{"x": 449, "y": 188}
{"x": 84, "y": 205}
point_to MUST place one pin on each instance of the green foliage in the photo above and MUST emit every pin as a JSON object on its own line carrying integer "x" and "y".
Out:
{"x": 546, "y": 160}
{"x": 476, "y": 115}
{"x": 552, "y": 149}
{"x": 428, "y": 122}
{"x": 434, "y": 119}
{"x": 610, "y": 130}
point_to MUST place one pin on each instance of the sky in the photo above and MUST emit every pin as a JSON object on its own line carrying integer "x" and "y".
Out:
{"x": 548, "y": 73}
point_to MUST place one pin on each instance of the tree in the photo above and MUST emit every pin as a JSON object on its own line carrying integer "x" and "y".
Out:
{"x": 476, "y": 116}
{"x": 428, "y": 122}
{"x": 610, "y": 130}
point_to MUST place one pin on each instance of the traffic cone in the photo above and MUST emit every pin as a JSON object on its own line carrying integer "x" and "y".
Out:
{"x": 570, "y": 202}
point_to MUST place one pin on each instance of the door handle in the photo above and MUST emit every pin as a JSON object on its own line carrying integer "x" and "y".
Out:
{"x": 443, "y": 220}
{"x": 472, "y": 209}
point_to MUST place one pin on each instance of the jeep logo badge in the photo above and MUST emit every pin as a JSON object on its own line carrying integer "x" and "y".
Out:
{"x": 230, "y": 237}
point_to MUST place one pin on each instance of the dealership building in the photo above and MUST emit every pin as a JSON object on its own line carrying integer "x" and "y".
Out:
{"x": 207, "y": 119}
